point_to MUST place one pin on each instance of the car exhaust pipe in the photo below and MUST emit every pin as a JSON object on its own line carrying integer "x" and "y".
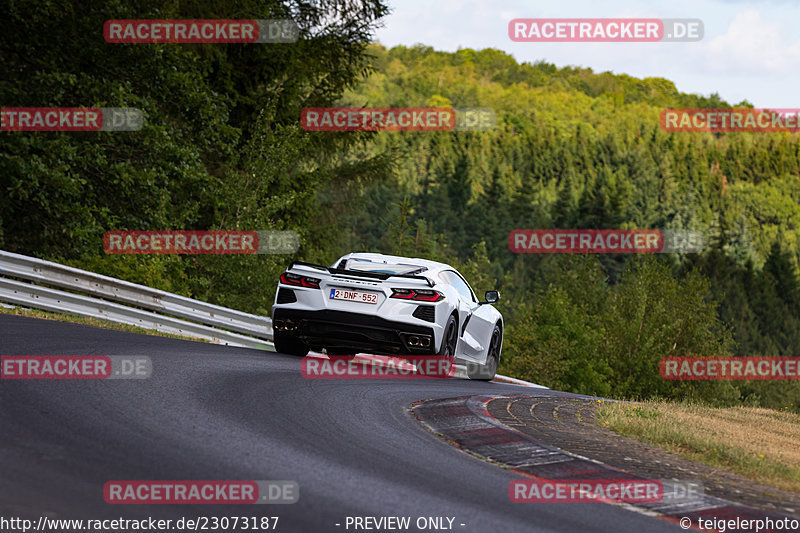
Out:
{"x": 284, "y": 325}
{"x": 413, "y": 340}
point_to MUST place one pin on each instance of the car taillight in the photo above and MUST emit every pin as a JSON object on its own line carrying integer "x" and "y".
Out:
{"x": 299, "y": 281}
{"x": 418, "y": 295}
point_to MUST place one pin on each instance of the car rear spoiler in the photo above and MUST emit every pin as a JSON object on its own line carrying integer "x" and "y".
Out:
{"x": 358, "y": 273}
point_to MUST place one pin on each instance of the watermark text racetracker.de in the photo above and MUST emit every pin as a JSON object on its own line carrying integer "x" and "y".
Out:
{"x": 627, "y": 241}
{"x": 599, "y": 30}
{"x": 397, "y": 119}
{"x": 729, "y": 368}
{"x": 75, "y": 367}
{"x": 201, "y": 242}
{"x": 730, "y": 120}
{"x": 184, "y": 31}
{"x": 70, "y": 119}
{"x": 378, "y": 367}
{"x": 632, "y": 491}
{"x": 200, "y": 492}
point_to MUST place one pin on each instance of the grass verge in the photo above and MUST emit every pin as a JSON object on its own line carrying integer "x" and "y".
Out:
{"x": 757, "y": 443}
{"x": 76, "y": 319}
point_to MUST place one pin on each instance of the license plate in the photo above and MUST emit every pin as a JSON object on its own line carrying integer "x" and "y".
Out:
{"x": 354, "y": 296}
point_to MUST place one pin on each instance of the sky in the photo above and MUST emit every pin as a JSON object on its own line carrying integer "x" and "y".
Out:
{"x": 750, "y": 50}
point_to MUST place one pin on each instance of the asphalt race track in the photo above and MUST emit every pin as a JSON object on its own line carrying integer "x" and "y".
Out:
{"x": 217, "y": 413}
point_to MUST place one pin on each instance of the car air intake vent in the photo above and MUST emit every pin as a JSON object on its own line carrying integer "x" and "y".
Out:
{"x": 286, "y": 296}
{"x": 425, "y": 312}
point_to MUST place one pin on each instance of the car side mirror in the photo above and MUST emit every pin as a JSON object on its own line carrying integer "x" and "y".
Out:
{"x": 491, "y": 297}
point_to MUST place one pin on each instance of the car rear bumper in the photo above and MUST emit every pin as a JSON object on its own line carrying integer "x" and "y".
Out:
{"x": 341, "y": 329}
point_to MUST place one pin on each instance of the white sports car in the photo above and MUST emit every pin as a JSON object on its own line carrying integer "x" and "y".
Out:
{"x": 387, "y": 305}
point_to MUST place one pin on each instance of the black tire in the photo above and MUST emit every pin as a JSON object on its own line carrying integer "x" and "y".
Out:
{"x": 450, "y": 338}
{"x": 487, "y": 371}
{"x": 290, "y": 346}
{"x": 341, "y": 352}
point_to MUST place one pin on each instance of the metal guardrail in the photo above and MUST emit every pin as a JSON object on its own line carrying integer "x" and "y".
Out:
{"x": 107, "y": 299}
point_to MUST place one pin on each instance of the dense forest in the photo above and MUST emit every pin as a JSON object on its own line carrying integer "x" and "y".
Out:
{"x": 222, "y": 148}
{"x": 576, "y": 149}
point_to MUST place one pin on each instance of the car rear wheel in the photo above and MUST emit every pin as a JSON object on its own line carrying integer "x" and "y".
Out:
{"x": 488, "y": 370}
{"x": 450, "y": 338}
{"x": 290, "y": 345}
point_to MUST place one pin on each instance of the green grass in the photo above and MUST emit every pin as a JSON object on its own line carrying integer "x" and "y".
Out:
{"x": 757, "y": 443}
{"x": 76, "y": 319}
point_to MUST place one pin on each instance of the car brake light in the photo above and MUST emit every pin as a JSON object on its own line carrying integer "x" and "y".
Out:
{"x": 299, "y": 281}
{"x": 418, "y": 295}
{"x": 310, "y": 282}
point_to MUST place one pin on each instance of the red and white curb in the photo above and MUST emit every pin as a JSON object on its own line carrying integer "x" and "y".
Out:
{"x": 467, "y": 423}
